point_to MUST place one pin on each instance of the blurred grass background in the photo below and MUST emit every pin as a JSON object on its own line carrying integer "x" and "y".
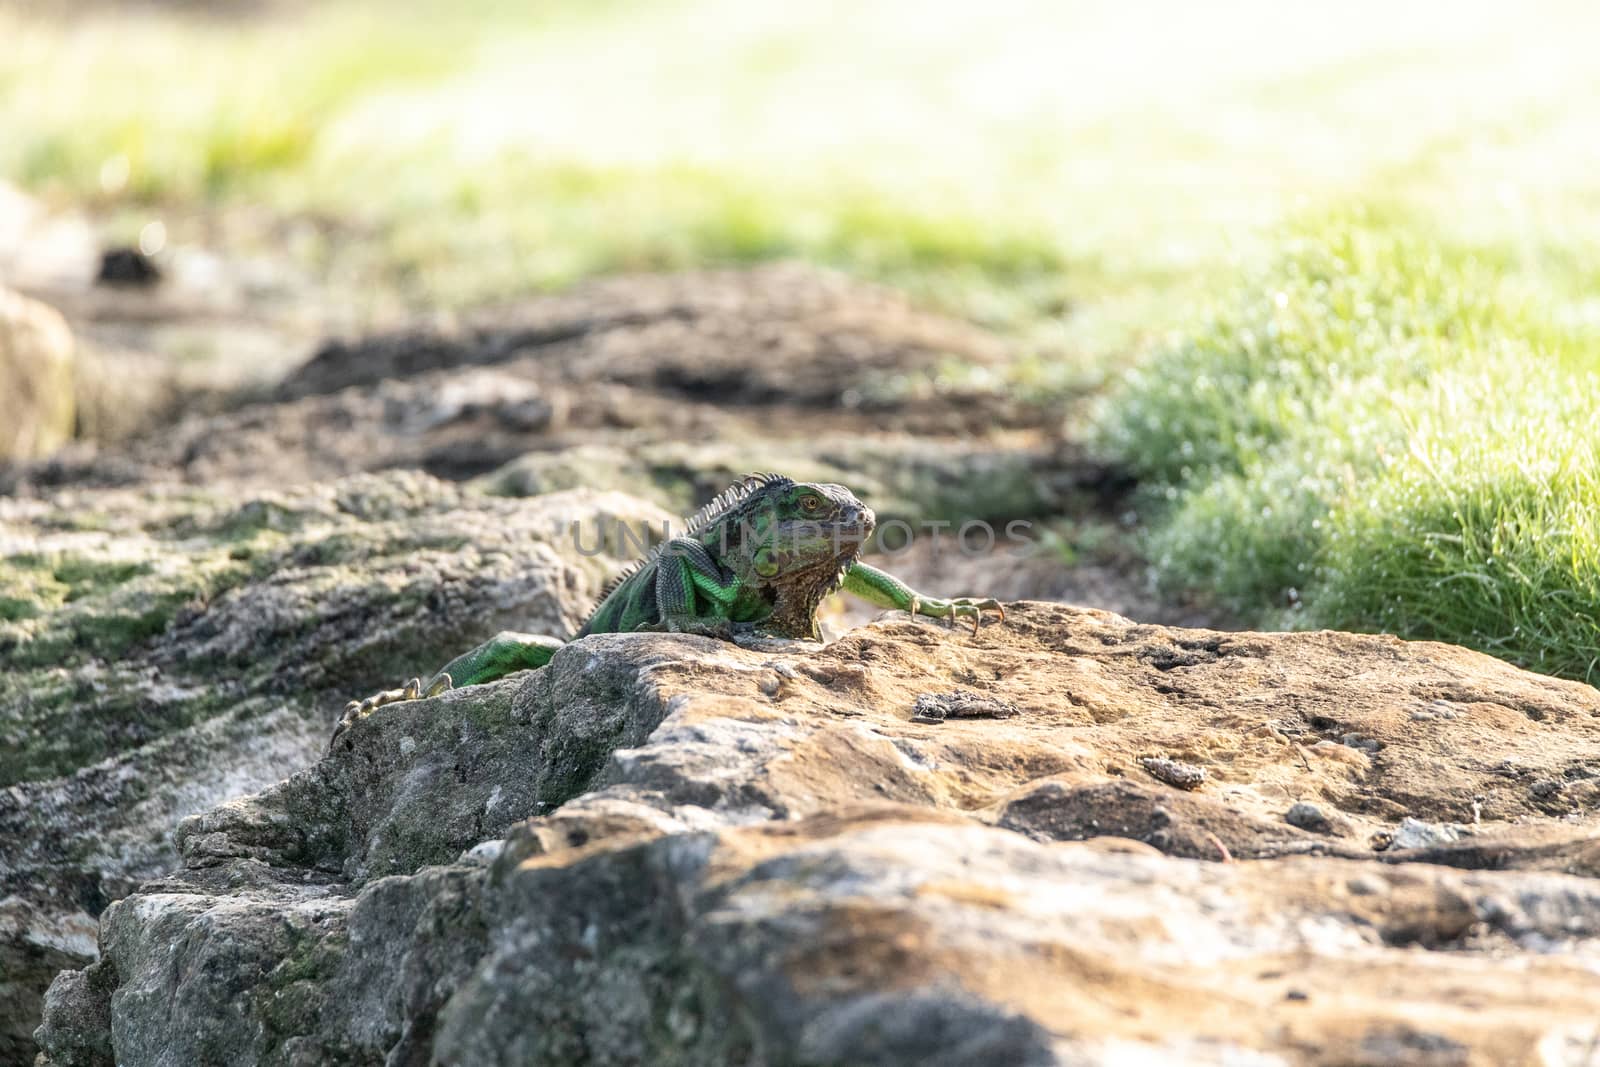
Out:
{"x": 1330, "y": 276}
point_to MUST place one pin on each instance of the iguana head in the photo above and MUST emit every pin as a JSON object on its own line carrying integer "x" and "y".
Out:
{"x": 790, "y": 541}
{"x": 815, "y": 532}
{"x": 803, "y": 527}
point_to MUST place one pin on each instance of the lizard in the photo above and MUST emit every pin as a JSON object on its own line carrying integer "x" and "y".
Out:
{"x": 758, "y": 560}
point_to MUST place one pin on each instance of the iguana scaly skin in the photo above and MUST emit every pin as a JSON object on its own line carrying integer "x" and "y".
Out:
{"x": 758, "y": 559}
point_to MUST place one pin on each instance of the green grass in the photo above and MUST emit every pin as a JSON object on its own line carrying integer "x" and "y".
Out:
{"x": 155, "y": 106}
{"x": 1384, "y": 429}
{"x": 1485, "y": 534}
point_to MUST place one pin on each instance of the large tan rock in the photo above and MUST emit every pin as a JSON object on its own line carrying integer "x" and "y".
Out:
{"x": 36, "y": 407}
{"x": 913, "y": 846}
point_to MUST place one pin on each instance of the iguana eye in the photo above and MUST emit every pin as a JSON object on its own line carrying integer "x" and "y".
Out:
{"x": 810, "y": 502}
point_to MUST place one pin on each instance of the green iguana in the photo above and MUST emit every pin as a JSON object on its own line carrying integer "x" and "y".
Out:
{"x": 758, "y": 559}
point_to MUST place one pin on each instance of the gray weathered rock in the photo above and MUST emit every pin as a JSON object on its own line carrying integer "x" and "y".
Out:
{"x": 1414, "y": 833}
{"x": 672, "y": 850}
{"x": 165, "y": 652}
{"x": 1308, "y": 817}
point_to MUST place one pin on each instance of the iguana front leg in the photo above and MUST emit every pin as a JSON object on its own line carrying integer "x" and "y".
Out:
{"x": 693, "y": 592}
{"x": 887, "y": 591}
{"x": 497, "y": 657}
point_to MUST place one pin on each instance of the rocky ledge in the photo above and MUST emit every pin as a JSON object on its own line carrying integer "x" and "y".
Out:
{"x": 1070, "y": 839}
{"x": 166, "y": 651}
{"x": 187, "y": 603}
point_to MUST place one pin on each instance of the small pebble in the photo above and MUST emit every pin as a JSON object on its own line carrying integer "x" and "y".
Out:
{"x": 1414, "y": 833}
{"x": 1360, "y": 743}
{"x": 483, "y": 853}
{"x": 1544, "y": 789}
{"x": 1308, "y": 817}
{"x": 1507, "y": 768}
{"x": 961, "y": 704}
{"x": 127, "y": 266}
{"x": 1173, "y": 773}
{"x": 1436, "y": 710}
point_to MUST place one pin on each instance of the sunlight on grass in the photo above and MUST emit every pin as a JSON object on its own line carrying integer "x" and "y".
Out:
{"x": 1383, "y": 430}
{"x": 1485, "y": 532}
{"x": 154, "y": 106}
{"x": 1095, "y": 155}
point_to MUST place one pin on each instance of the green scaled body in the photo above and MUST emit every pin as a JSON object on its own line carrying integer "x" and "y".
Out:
{"x": 737, "y": 558}
{"x": 758, "y": 559}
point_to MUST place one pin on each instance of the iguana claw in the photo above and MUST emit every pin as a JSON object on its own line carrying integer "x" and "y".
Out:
{"x": 689, "y": 624}
{"x": 958, "y": 607}
{"x": 976, "y": 607}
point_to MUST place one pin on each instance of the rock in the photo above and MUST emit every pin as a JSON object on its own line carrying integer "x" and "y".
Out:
{"x": 41, "y": 249}
{"x": 127, "y": 266}
{"x": 165, "y": 652}
{"x": 1414, "y": 833}
{"x": 52, "y": 256}
{"x": 959, "y": 704}
{"x": 119, "y": 394}
{"x": 1308, "y": 817}
{"x": 1366, "y": 885}
{"x": 1175, "y": 773}
{"x": 669, "y": 849}
{"x": 36, "y": 369}
{"x": 904, "y": 477}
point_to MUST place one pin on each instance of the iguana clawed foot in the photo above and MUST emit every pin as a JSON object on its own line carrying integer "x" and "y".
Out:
{"x": 957, "y": 607}
{"x": 412, "y": 690}
{"x": 877, "y": 587}
{"x": 703, "y": 627}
